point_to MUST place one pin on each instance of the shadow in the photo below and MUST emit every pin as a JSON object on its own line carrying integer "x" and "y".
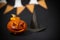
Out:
{"x": 22, "y": 33}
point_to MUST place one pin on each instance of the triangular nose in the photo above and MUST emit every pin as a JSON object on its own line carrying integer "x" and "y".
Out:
{"x": 18, "y": 3}
{"x": 33, "y": 2}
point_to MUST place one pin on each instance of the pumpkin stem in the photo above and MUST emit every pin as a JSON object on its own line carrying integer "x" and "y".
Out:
{"x": 13, "y": 15}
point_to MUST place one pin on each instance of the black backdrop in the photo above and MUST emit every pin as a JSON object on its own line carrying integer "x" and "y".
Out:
{"x": 48, "y": 19}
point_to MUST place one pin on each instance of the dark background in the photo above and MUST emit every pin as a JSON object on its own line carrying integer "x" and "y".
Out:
{"x": 47, "y": 18}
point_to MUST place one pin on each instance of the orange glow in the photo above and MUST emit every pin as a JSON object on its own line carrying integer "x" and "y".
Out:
{"x": 16, "y": 25}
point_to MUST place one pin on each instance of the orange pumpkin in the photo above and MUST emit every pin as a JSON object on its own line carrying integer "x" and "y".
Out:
{"x": 16, "y": 25}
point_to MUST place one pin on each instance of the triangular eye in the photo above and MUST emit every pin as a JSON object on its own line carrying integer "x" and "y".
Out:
{"x": 24, "y": 2}
{"x": 11, "y": 2}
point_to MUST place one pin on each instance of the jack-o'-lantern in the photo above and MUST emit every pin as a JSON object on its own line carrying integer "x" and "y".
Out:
{"x": 16, "y": 25}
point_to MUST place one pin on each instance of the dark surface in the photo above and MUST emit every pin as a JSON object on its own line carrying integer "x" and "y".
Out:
{"x": 47, "y": 18}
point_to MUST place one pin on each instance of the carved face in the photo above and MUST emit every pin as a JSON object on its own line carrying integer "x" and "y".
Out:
{"x": 16, "y": 26}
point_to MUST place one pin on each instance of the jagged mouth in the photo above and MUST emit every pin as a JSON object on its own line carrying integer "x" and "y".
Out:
{"x": 20, "y": 27}
{"x": 17, "y": 29}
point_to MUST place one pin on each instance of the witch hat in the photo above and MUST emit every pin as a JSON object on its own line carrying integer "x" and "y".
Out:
{"x": 34, "y": 25}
